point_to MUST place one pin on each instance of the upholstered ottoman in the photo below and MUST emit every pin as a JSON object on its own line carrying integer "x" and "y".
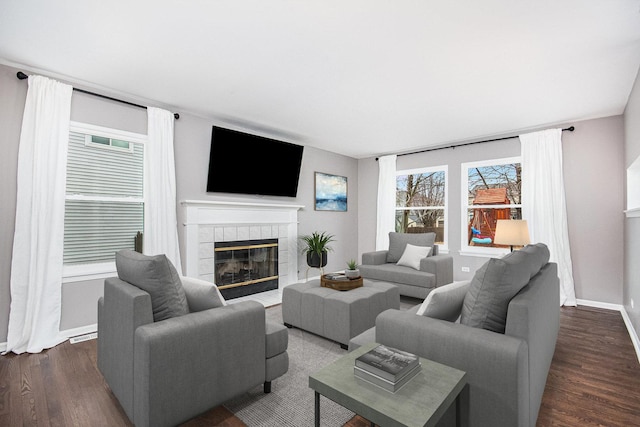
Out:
{"x": 337, "y": 315}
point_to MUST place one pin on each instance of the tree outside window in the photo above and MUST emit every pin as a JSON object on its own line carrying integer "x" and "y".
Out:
{"x": 421, "y": 199}
{"x": 493, "y": 193}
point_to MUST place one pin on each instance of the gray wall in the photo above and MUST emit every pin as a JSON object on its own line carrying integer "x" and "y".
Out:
{"x": 593, "y": 168}
{"x": 632, "y": 225}
{"x": 12, "y": 99}
{"x": 192, "y": 139}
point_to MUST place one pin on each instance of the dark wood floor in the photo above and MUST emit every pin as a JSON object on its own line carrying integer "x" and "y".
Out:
{"x": 594, "y": 381}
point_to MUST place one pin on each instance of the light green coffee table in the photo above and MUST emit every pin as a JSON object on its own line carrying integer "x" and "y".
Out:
{"x": 420, "y": 402}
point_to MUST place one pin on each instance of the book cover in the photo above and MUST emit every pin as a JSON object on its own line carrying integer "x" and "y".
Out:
{"x": 388, "y": 363}
{"x": 383, "y": 383}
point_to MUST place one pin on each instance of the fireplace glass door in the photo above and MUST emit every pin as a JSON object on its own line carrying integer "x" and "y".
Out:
{"x": 246, "y": 267}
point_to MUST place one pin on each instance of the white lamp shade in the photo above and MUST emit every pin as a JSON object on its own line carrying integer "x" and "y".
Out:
{"x": 513, "y": 232}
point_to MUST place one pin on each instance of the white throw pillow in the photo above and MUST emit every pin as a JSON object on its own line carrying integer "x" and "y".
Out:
{"x": 412, "y": 256}
{"x": 445, "y": 302}
{"x": 202, "y": 295}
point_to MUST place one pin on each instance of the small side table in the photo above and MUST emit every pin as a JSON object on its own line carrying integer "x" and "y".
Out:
{"x": 420, "y": 402}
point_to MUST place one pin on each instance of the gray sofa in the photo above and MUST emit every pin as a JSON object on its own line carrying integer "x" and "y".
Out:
{"x": 504, "y": 342}
{"x": 170, "y": 357}
{"x": 434, "y": 270}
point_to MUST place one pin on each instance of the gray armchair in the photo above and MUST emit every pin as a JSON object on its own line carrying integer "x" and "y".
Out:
{"x": 434, "y": 270}
{"x": 504, "y": 342}
{"x": 165, "y": 372}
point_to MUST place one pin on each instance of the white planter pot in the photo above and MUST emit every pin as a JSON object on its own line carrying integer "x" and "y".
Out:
{"x": 352, "y": 274}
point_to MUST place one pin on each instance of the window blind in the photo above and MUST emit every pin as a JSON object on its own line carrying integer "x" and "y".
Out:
{"x": 105, "y": 206}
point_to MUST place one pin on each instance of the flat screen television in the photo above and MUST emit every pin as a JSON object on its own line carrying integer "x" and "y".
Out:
{"x": 249, "y": 164}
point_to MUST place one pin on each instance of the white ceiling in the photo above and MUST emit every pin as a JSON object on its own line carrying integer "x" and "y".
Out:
{"x": 360, "y": 78}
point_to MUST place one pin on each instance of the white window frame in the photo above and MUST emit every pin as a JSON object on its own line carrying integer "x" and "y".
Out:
{"x": 478, "y": 251}
{"x": 442, "y": 248}
{"x": 88, "y": 141}
{"x": 77, "y": 273}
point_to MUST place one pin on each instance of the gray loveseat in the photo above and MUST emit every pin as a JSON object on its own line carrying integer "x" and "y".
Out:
{"x": 169, "y": 357}
{"x": 434, "y": 270}
{"x": 511, "y": 311}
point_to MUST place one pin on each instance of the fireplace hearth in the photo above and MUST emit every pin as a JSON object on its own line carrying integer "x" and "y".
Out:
{"x": 246, "y": 267}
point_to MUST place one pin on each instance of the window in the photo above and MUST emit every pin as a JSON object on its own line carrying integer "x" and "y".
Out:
{"x": 104, "y": 142}
{"x": 104, "y": 207}
{"x": 491, "y": 191}
{"x": 421, "y": 202}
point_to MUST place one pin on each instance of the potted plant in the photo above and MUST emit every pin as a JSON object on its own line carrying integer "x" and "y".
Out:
{"x": 316, "y": 248}
{"x": 352, "y": 271}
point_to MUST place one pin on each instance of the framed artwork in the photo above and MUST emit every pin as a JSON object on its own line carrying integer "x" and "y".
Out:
{"x": 331, "y": 192}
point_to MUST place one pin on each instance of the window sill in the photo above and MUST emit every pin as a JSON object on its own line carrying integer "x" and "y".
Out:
{"x": 632, "y": 213}
{"x": 81, "y": 273}
{"x": 486, "y": 253}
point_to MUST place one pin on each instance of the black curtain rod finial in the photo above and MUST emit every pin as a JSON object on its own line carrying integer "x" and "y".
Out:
{"x": 22, "y": 75}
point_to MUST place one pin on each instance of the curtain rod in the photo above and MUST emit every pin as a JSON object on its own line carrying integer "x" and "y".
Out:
{"x": 23, "y": 76}
{"x": 570, "y": 129}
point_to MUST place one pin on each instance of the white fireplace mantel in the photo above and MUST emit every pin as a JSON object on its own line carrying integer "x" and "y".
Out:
{"x": 207, "y": 222}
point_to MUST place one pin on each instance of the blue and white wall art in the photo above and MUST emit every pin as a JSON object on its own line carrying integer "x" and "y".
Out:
{"x": 331, "y": 192}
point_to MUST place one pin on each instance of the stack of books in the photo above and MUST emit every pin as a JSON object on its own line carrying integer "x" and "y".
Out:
{"x": 336, "y": 276}
{"x": 387, "y": 367}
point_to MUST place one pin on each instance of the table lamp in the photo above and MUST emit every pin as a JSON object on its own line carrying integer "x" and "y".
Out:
{"x": 512, "y": 232}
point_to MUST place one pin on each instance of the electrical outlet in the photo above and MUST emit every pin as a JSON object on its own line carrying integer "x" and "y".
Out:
{"x": 632, "y": 303}
{"x": 465, "y": 269}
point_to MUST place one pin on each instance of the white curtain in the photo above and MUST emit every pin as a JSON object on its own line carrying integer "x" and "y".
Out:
{"x": 38, "y": 240}
{"x": 386, "y": 220}
{"x": 160, "y": 222}
{"x": 543, "y": 202}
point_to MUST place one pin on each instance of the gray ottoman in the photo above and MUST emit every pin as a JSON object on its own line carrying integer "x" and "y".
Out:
{"x": 337, "y": 315}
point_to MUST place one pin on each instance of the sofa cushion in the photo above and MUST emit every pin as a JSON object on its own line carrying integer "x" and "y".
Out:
{"x": 398, "y": 242}
{"x": 445, "y": 302}
{"x": 492, "y": 287}
{"x": 202, "y": 295}
{"x": 540, "y": 256}
{"x": 156, "y": 276}
{"x": 412, "y": 256}
{"x": 277, "y": 338}
{"x": 394, "y": 273}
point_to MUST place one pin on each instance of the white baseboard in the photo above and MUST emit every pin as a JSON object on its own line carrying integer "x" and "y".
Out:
{"x": 83, "y": 330}
{"x": 598, "y": 304}
{"x": 67, "y": 333}
{"x": 625, "y": 316}
{"x": 632, "y": 331}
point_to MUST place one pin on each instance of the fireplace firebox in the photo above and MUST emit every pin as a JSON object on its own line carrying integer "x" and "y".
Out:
{"x": 246, "y": 267}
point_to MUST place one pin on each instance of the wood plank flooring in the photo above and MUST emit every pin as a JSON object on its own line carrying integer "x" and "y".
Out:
{"x": 594, "y": 380}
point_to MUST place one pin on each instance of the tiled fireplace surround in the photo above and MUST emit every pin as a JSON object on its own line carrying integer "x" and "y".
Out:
{"x": 208, "y": 222}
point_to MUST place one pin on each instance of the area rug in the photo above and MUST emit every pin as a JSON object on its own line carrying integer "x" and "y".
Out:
{"x": 291, "y": 401}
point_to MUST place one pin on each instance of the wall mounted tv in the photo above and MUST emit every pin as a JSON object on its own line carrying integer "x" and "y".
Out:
{"x": 248, "y": 164}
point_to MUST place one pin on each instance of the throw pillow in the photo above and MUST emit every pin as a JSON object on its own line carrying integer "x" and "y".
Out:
{"x": 540, "y": 256}
{"x": 398, "y": 242}
{"x": 158, "y": 277}
{"x": 445, "y": 302}
{"x": 412, "y": 256}
{"x": 202, "y": 295}
{"x": 492, "y": 287}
